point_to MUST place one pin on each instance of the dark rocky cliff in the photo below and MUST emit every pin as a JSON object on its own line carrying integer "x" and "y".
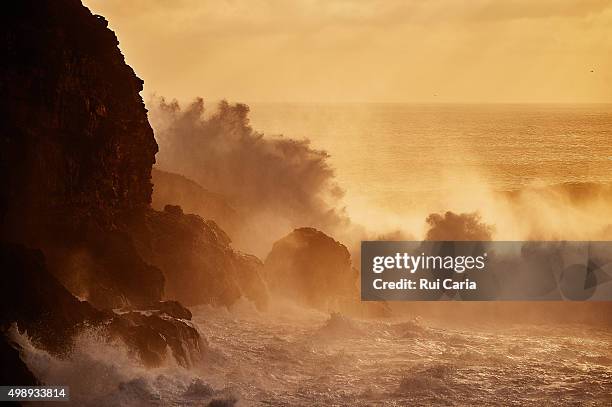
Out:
{"x": 76, "y": 152}
{"x": 75, "y": 135}
{"x": 76, "y": 148}
{"x": 175, "y": 189}
{"x": 36, "y": 302}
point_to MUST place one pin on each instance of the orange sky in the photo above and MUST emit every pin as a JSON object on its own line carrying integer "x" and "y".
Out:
{"x": 368, "y": 50}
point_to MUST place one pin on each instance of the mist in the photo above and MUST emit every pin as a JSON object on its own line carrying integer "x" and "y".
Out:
{"x": 570, "y": 211}
{"x": 275, "y": 183}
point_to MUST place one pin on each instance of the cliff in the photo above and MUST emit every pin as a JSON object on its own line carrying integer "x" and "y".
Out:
{"x": 76, "y": 143}
{"x": 175, "y": 189}
{"x": 316, "y": 271}
{"x": 36, "y": 301}
{"x": 76, "y": 149}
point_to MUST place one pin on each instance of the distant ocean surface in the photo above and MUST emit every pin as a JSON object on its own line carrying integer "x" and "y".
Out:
{"x": 392, "y": 156}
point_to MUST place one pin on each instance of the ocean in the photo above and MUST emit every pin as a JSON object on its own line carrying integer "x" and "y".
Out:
{"x": 298, "y": 357}
{"x": 395, "y": 159}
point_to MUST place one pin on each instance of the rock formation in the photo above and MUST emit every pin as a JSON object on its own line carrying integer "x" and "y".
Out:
{"x": 76, "y": 152}
{"x": 76, "y": 148}
{"x": 311, "y": 267}
{"x": 197, "y": 260}
{"x": 14, "y": 370}
{"x": 452, "y": 226}
{"x": 175, "y": 189}
{"x": 51, "y": 315}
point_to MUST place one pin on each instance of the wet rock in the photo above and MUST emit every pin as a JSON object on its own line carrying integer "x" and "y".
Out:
{"x": 152, "y": 333}
{"x": 339, "y": 326}
{"x": 313, "y": 269}
{"x": 452, "y": 226}
{"x": 171, "y": 308}
{"x": 249, "y": 271}
{"x": 14, "y": 372}
{"x": 75, "y": 163}
{"x": 108, "y": 271}
{"x": 199, "y": 389}
{"x": 149, "y": 344}
{"x": 40, "y": 305}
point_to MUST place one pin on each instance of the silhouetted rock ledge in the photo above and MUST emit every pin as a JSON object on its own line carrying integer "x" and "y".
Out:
{"x": 37, "y": 302}
{"x": 13, "y": 370}
{"x": 152, "y": 332}
{"x": 198, "y": 262}
{"x": 76, "y": 150}
{"x": 34, "y": 300}
{"x": 311, "y": 267}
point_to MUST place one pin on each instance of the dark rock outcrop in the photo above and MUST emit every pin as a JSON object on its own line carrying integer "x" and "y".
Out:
{"x": 152, "y": 332}
{"x": 76, "y": 151}
{"x": 175, "y": 189}
{"x": 199, "y": 265}
{"x": 34, "y": 300}
{"x": 107, "y": 270}
{"x": 311, "y": 267}
{"x": 452, "y": 226}
{"x": 171, "y": 308}
{"x": 315, "y": 270}
{"x": 76, "y": 148}
{"x": 38, "y": 303}
{"x": 76, "y": 142}
{"x": 14, "y": 372}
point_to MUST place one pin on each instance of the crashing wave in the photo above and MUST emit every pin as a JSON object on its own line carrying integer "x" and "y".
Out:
{"x": 339, "y": 325}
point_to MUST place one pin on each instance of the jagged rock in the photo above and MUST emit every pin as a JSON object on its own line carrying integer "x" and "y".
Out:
{"x": 452, "y": 226}
{"x": 107, "y": 270}
{"x": 175, "y": 189}
{"x": 198, "y": 263}
{"x": 75, "y": 135}
{"x": 76, "y": 152}
{"x": 249, "y": 271}
{"x": 51, "y": 315}
{"x": 311, "y": 267}
{"x": 76, "y": 148}
{"x": 33, "y": 298}
{"x": 14, "y": 372}
{"x": 151, "y": 332}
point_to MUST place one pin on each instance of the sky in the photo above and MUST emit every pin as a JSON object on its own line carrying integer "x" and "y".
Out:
{"x": 457, "y": 51}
